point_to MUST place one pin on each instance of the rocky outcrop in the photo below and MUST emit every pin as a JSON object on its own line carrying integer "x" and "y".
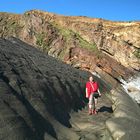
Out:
{"x": 119, "y": 40}
{"x": 125, "y": 123}
{"x": 37, "y": 94}
{"x": 109, "y": 48}
{"x": 108, "y": 68}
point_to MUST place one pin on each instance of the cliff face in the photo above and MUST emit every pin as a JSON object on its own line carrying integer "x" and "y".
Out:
{"x": 92, "y": 44}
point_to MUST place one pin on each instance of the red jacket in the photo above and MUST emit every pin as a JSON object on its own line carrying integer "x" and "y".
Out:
{"x": 91, "y": 87}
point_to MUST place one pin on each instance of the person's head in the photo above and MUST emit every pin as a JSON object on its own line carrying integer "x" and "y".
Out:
{"x": 91, "y": 78}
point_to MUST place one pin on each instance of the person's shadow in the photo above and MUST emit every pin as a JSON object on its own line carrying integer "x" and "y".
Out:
{"x": 105, "y": 109}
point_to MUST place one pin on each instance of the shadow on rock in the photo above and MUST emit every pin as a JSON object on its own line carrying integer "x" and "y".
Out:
{"x": 105, "y": 109}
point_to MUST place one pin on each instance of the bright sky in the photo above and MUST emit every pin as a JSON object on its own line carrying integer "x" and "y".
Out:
{"x": 119, "y": 10}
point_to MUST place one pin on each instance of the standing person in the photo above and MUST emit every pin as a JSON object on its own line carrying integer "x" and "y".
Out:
{"x": 92, "y": 93}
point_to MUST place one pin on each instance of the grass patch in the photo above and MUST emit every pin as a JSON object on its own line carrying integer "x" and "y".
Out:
{"x": 85, "y": 44}
{"x": 40, "y": 41}
{"x": 137, "y": 53}
{"x": 14, "y": 27}
{"x": 69, "y": 35}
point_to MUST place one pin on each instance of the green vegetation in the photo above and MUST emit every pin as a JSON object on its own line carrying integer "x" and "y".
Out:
{"x": 67, "y": 34}
{"x": 14, "y": 28}
{"x": 137, "y": 53}
{"x": 40, "y": 41}
{"x": 71, "y": 35}
{"x": 85, "y": 44}
{"x": 63, "y": 53}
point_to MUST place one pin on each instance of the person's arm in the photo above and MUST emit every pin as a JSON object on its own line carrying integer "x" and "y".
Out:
{"x": 99, "y": 92}
{"x": 86, "y": 92}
